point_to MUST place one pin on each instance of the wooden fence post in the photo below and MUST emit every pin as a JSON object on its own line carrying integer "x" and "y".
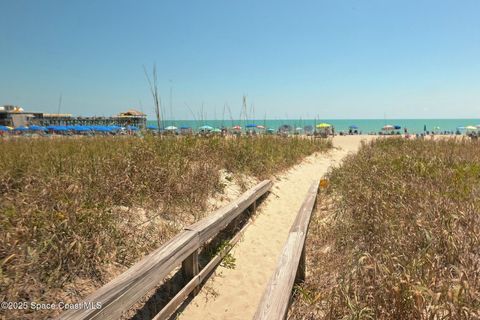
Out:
{"x": 190, "y": 268}
{"x": 300, "y": 277}
{"x": 254, "y": 208}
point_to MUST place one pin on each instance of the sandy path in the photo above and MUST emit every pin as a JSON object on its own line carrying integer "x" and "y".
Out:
{"x": 237, "y": 292}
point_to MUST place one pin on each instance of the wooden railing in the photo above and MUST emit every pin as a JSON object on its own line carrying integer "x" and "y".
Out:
{"x": 291, "y": 264}
{"x": 121, "y": 293}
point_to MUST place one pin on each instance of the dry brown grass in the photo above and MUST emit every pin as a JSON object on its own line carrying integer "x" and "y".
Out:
{"x": 397, "y": 235}
{"x": 80, "y": 210}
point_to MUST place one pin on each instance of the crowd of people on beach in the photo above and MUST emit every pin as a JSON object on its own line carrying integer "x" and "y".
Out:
{"x": 322, "y": 130}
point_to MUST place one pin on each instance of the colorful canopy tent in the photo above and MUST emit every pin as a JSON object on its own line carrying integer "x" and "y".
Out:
{"x": 323, "y": 125}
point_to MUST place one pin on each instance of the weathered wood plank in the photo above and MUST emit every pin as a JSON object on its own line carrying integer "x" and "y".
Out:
{"x": 276, "y": 298}
{"x": 122, "y": 292}
{"x": 168, "y": 310}
{"x": 126, "y": 289}
{"x": 210, "y": 226}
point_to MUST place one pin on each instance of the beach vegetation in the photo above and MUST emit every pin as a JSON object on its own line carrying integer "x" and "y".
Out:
{"x": 75, "y": 212}
{"x": 397, "y": 235}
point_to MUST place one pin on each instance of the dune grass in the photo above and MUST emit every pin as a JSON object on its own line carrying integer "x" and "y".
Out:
{"x": 397, "y": 235}
{"x": 70, "y": 207}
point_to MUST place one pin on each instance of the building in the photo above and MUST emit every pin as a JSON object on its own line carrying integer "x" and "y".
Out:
{"x": 15, "y": 116}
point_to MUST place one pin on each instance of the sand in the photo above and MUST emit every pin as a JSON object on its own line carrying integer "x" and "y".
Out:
{"x": 236, "y": 293}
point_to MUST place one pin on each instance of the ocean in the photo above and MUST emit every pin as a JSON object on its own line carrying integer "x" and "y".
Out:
{"x": 364, "y": 125}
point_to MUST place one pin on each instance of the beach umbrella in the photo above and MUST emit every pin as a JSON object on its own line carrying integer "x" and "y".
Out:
{"x": 37, "y": 128}
{"x": 388, "y": 127}
{"x": 237, "y": 128}
{"x": 397, "y": 127}
{"x": 251, "y": 125}
{"x": 81, "y": 129}
{"x": 171, "y": 128}
{"x": 60, "y": 128}
{"x": 298, "y": 129}
{"x": 270, "y": 130}
{"x": 5, "y": 128}
{"x": 21, "y": 128}
{"x": 260, "y": 127}
{"x": 436, "y": 128}
{"x": 216, "y": 130}
{"x": 471, "y": 128}
{"x": 354, "y": 127}
{"x": 184, "y": 128}
{"x": 323, "y": 125}
{"x": 207, "y": 128}
{"x": 152, "y": 127}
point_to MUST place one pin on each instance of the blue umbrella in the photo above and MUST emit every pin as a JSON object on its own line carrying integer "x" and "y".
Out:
{"x": 353, "y": 127}
{"x": 251, "y": 125}
{"x": 21, "y": 128}
{"x": 59, "y": 128}
{"x": 82, "y": 128}
{"x": 152, "y": 127}
{"x": 37, "y": 128}
{"x": 184, "y": 128}
{"x": 397, "y": 127}
{"x": 4, "y": 128}
{"x": 206, "y": 128}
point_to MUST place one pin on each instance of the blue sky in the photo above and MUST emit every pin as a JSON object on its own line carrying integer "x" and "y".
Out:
{"x": 335, "y": 59}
